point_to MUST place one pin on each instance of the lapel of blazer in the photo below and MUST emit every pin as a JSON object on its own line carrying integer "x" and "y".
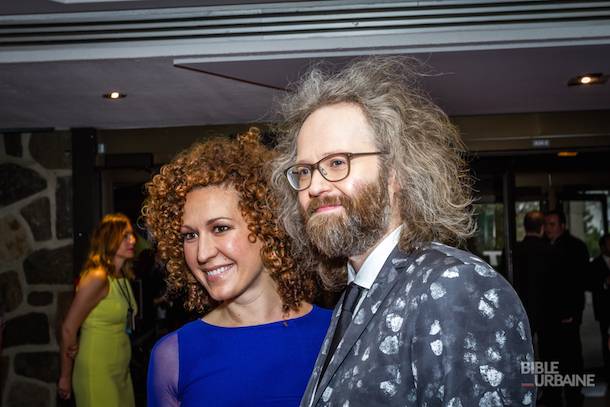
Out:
{"x": 386, "y": 279}
{"x": 313, "y": 380}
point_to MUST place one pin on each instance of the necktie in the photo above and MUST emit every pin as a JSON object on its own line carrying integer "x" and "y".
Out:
{"x": 350, "y": 299}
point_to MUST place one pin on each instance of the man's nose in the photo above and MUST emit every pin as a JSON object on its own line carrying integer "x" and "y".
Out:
{"x": 319, "y": 184}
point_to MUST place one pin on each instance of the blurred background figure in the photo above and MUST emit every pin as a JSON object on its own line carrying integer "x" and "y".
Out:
{"x": 600, "y": 283}
{"x": 103, "y": 310}
{"x": 532, "y": 268}
{"x": 570, "y": 263}
{"x": 211, "y": 212}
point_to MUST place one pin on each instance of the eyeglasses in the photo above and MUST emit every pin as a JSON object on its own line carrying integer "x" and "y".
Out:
{"x": 333, "y": 168}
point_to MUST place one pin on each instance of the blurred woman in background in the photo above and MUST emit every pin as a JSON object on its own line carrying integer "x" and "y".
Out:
{"x": 103, "y": 310}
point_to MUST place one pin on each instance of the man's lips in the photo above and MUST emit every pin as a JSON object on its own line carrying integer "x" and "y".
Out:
{"x": 326, "y": 208}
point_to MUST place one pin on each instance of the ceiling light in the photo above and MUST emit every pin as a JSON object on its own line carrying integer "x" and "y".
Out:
{"x": 588, "y": 79}
{"x": 567, "y": 153}
{"x": 114, "y": 95}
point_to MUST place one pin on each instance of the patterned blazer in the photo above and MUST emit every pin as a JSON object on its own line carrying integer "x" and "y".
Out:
{"x": 437, "y": 328}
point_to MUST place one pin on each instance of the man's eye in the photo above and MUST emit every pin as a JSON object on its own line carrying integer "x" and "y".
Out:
{"x": 187, "y": 236}
{"x": 303, "y": 172}
{"x": 337, "y": 162}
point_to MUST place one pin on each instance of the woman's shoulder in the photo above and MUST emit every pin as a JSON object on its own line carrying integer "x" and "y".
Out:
{"x": 166, "y": 346}
{"x": 318, "y": 316}
{"x": 95, "y": 278}
{"x": 321, "y": 311}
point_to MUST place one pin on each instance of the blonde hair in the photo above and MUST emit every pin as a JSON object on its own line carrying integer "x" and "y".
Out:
{"x": 105, "y": 241}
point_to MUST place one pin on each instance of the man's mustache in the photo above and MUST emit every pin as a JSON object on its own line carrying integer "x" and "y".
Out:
{"x": 316, "y": 203}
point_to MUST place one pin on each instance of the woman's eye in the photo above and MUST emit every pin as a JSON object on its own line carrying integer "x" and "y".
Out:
{"x": 186, "y": 236}
{"x": 221, "y": 228}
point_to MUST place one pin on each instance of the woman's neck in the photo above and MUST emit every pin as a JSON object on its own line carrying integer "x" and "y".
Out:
{"x": 262, "y": 309}
{"x": 118, "y": 265}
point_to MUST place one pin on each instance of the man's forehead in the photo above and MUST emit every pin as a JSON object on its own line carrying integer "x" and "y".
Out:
{"x": 340, "y": 127}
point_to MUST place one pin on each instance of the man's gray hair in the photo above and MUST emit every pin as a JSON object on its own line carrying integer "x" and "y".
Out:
{"x": 426, "y": 153}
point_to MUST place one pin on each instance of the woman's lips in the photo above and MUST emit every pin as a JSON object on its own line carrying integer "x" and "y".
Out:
{"x": 216, "y": 273}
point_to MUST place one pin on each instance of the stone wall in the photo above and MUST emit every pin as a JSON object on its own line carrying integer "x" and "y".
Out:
{"x": 36, "y": 270}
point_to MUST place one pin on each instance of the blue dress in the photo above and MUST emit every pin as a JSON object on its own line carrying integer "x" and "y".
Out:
{"x": 262, "y": 365}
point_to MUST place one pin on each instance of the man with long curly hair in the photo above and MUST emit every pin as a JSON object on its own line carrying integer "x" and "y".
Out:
{"x": 376, "y": 194}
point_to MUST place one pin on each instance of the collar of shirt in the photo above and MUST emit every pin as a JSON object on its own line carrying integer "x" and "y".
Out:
{"x": 374, "y": 262}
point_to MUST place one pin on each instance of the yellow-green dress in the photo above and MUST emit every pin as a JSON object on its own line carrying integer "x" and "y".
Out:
{"x": 101, "y": 374}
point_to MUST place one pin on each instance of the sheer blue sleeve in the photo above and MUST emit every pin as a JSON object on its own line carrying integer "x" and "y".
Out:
{"x": 162, "y": 383}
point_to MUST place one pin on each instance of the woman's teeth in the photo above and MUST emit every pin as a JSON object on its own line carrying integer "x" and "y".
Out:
{"x": 218, "y": 271}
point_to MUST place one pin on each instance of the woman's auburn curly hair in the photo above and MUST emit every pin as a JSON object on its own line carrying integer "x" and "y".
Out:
{"x": 241, "y": 163}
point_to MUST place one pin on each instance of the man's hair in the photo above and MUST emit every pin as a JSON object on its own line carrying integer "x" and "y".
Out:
{"x": 561, "y": 216}
{"x": 424, "y": 149}
{"x": 533, "y": 221}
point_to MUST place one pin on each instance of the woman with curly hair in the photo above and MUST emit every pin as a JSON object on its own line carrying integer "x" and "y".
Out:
{"x": 211, "y": 213}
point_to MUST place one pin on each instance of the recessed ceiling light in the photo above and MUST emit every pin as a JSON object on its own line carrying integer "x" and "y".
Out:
{"x": 567, "y": 153}
{"x": 114, "y": 95}
{"x": 588, "y": 79}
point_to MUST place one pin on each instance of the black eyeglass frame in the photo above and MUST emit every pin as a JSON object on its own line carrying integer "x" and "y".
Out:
{"x": 316, "y": 166}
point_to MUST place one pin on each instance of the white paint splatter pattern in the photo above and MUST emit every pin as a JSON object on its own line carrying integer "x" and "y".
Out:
{"x": 455, "y": 402}
{"x": 388, "y": 388}
{"x": 471, "y": 357}
{"x": 437, "y": 291}
{"x": 327, "y": 393}
{"x": 484, "y": 271}
{"x": 492, "y": 295}
{"x": 366, "y": 354}
{"x": 437, "y": 347}
{"x": 359, "y": 318}
{"x": 394, "y": 322}
{"x": 426, "y": 276}
{"x": 453, "y": 272}
{"x": 470, "y": 342}
{"x": 490, "y": 399}
{"x": 501, "y": 338}
{"x": 521, "y": 329}
{"x": 491, "y": 375}
{"x": 435, "y": 328}
{"x": 493, "y": 355}
{"x": 486, "y": 309}
{"x": 389, "y": 345}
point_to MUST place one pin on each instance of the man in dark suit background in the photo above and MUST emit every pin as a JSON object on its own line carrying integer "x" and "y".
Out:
{"x": 373, "y": 181}
{"x": 600, "y": 287}
{"x": 532, "y": 268}
{"x": 570, "y": 270}
{"x": 539, "y": 290}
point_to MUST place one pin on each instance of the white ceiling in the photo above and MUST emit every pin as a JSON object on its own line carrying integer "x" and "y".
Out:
{"x": 477, "y": 69}
{"x": 14, "y": 7}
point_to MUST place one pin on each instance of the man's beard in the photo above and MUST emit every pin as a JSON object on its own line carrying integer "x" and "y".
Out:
{"x": 365, "y": 221}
